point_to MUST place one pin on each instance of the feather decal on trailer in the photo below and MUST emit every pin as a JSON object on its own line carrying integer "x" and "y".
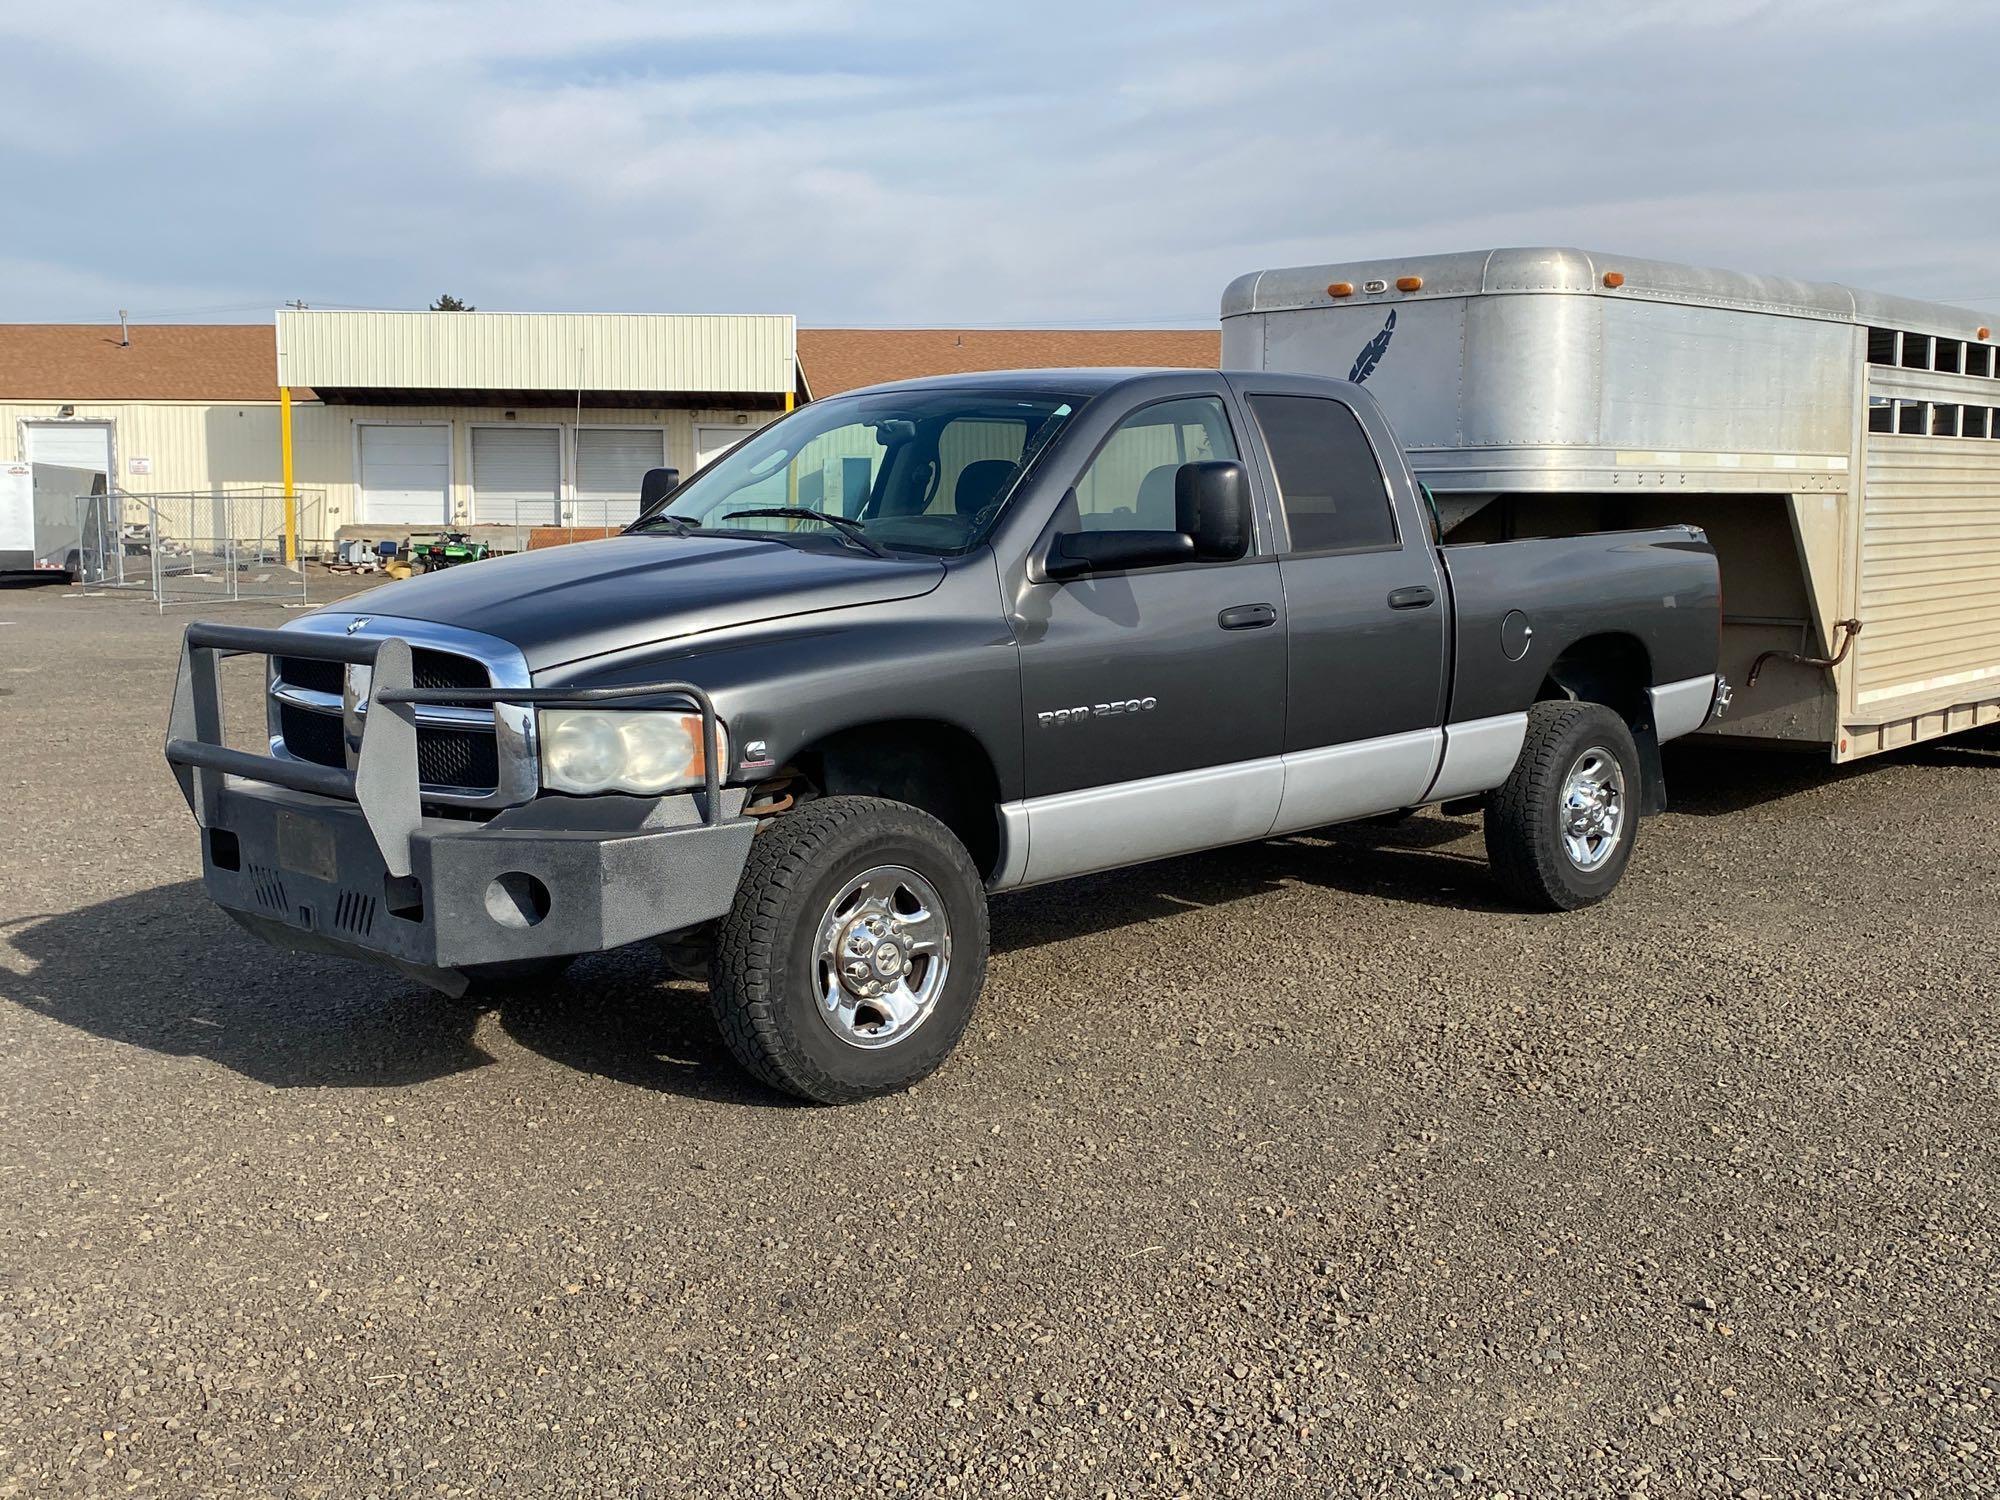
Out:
{"x": 1372, "y": 352}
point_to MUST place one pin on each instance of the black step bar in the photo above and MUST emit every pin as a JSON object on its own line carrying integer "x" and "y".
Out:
{"x": 383, "y": 781}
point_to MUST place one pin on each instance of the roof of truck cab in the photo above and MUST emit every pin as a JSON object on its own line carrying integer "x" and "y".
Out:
{"x": 1533, "y": 269}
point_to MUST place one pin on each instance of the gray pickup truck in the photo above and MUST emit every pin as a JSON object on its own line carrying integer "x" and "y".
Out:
{"x": 923, "y": 642}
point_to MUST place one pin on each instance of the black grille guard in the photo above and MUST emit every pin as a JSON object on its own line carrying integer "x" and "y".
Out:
{"x": 383, "y": 779}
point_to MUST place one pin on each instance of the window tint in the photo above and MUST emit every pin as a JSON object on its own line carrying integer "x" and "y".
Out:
{"x": 1129, "y": 486}
{"x": 1332, "y": 489}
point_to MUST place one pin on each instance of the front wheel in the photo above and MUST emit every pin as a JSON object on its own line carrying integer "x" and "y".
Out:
{"x": 1560, "y": 829}
{"x": 851, "y": 960}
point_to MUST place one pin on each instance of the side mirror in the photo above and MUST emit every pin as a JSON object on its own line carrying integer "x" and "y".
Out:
{"x": 654, "y": 489}
{"x": 1078, "y": 552}
{"x": 1212, "y": 507}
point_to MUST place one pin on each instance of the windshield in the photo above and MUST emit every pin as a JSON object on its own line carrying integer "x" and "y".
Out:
{"x": 918, "y": 470}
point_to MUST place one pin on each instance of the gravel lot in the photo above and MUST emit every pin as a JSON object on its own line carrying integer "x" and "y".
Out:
{"x": 1306, "y": 1168}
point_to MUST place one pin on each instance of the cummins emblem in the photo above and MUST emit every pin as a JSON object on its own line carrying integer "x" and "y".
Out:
{"x": 1056, "y": 717}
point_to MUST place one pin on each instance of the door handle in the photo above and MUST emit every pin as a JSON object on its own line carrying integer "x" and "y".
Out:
{"x": 1247, "y": 617}
{"x": 1417, "y": 596}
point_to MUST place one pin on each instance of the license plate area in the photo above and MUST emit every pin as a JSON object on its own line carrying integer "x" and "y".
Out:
{"x": 306, "y": 847}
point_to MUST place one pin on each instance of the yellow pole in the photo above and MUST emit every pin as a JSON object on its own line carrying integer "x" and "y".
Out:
{"x": 791, "y": 474}
{"x": 285, "y": 460}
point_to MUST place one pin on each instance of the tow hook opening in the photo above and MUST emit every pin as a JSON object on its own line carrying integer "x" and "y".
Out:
{"x": 224, "y": 851}
{"x": 516, "y": 899}
{"x": 403, "y": 896}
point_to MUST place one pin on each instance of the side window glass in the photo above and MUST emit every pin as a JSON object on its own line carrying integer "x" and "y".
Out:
{"x": 1129, "y": 486}
{"x": 977, "y": 457}
{"x": 1332, "y": 488}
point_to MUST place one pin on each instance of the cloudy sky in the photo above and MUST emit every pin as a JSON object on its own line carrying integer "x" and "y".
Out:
{"x": 1091, "y": 162}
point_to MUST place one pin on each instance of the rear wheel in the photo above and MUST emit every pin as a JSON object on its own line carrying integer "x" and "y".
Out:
{"x": 1560, "y": 830}
{"x": 852, "y": 958}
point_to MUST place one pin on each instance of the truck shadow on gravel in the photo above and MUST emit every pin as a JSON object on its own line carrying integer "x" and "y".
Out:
{"x": 165, "y": 970}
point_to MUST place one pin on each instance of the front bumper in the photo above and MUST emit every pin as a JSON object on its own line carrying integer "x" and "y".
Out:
{"x": 304, "y": 872}
{"x": 348, "y": 862}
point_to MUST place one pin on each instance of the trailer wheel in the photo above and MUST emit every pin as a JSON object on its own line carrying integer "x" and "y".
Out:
{"x": 852, "y": 958}
{"x": 1560, "y": 829}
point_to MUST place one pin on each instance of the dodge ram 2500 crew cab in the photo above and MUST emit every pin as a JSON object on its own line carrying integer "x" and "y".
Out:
{"x": 919, "y": 643}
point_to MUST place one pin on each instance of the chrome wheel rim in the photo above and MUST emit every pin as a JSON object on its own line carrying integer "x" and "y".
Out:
{"x": 1593, "y": 808}
{"x": 881, "y": 956}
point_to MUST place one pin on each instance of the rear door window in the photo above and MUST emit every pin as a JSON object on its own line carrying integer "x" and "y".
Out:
{"x": 1332, "y": 489}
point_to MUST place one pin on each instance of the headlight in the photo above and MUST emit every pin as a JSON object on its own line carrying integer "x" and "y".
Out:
{"x": 586, "y": 750}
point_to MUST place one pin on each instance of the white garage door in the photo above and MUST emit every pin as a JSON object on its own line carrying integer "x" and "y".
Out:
{"x": 710, "y": 443}
{"x": 71, "y": 445}
{"x": 516, "y": 475}
{"x": 610, "y": 462}
{"x": 406, "y": 475}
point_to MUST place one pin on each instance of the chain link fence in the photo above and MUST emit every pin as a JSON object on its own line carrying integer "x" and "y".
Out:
{"x": 201, "y": 547}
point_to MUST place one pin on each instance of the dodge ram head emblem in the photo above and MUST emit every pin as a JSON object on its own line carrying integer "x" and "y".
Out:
{"x": 356, "y": 623}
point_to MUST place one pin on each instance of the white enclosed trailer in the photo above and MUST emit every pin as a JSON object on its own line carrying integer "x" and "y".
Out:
{"x": 40, "y": 515}
{"x": 1841, "y": 448}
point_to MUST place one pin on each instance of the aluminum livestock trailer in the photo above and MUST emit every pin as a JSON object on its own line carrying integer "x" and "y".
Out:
{"x": 1840, "y": 447}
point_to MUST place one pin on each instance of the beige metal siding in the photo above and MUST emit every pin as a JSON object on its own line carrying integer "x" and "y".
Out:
{"x": 1930, "y": 563}
{"x": 325, "y": 443}
{"x": 189, "y": 445}
{"x": 740, "y": 354}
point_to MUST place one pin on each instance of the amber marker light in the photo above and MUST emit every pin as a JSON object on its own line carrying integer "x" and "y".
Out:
{"x": 1409, "y": 283}
{"x": 1341, "y": 289}
{"x": 1985, "y": 333}
{"x": 1614, "y": 279}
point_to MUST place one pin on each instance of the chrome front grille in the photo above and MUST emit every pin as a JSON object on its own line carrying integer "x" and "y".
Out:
{"x": 471, "y": 757}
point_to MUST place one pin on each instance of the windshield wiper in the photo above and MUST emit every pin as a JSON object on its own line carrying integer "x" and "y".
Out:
{"x": 845, "y": 526}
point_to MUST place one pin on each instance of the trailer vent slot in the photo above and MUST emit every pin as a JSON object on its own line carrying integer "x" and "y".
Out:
{"x": 1973, "y": 421}
{"x": 1947, "y": 355}
{"x": 1881, "y": 414}
{"x": 1916, "y": 351}
{"x": 1979, "y": 360}
{"x": 1910, "y": 417}
{"x": 1881, "y": 346}
{"x": 1944, "y": 420}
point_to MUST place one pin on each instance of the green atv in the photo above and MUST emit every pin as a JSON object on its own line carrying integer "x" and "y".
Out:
{"x": 446, "y": 551}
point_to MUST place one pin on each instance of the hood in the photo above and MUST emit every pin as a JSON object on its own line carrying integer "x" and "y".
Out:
{"x": 560, "y": 604}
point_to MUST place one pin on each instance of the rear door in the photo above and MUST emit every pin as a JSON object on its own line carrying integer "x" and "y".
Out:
{"x": 1365, "y": 610}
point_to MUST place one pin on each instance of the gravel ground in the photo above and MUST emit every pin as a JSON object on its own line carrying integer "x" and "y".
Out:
{"x": 1309, "y": 1167}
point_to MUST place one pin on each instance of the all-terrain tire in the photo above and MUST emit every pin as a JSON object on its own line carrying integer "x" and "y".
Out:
{"x": 1526, "y": 814}
{"x": 764, "y": 976}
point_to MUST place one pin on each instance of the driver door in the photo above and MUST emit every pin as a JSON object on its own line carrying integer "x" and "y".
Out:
{"x": 1154, "y": 698}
